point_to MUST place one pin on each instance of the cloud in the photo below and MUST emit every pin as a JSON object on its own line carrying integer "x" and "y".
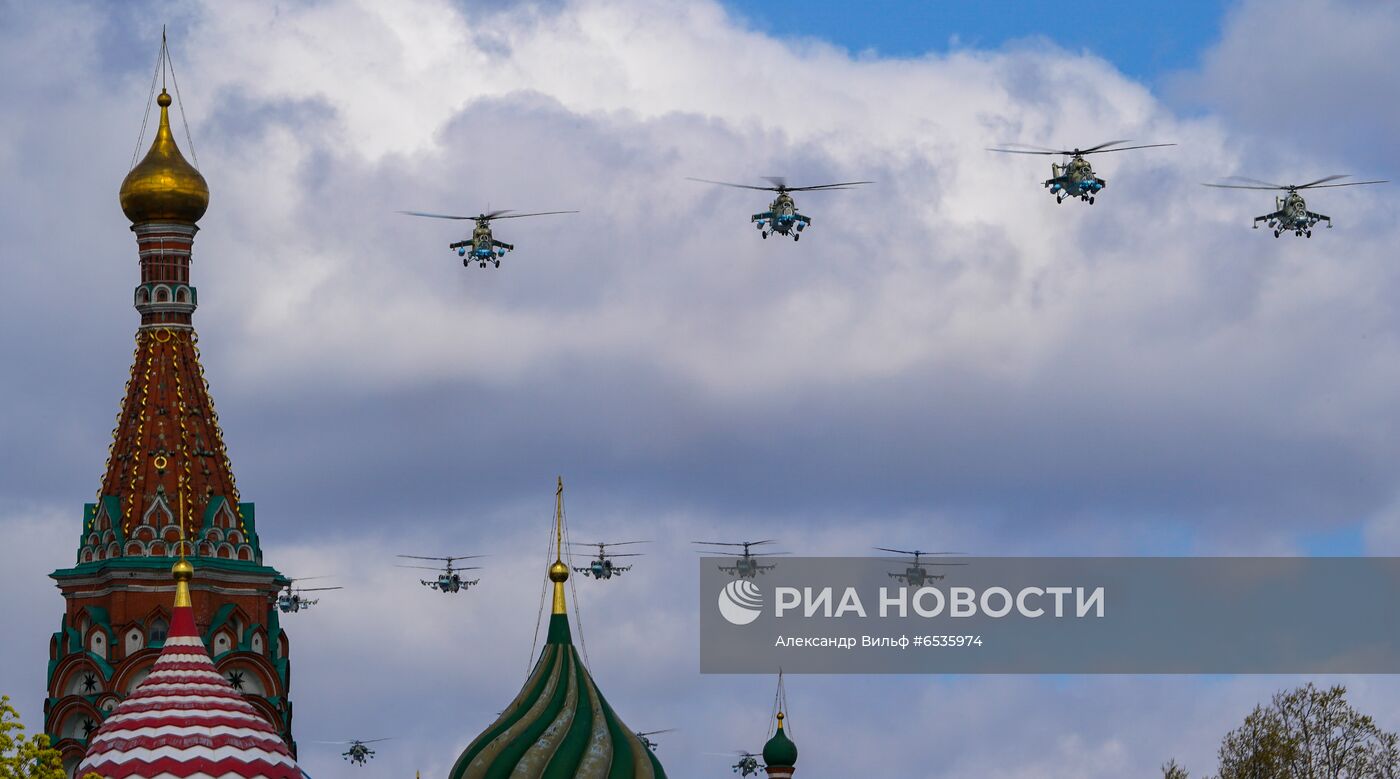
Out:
{"x": 947, "y": 358}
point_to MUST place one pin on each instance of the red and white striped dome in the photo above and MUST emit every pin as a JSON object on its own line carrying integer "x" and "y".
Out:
{"x": 185, "y": 721}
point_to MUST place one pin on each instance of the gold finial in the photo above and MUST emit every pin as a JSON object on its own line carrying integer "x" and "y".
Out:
{"x": 780, "y": 720}
{"x": 163, "y": 186}
{"x": 183, "y": 572}
{"x": 559, "y": 572}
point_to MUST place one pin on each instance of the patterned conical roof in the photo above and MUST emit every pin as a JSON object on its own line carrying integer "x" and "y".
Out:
{"x": 185, "y": 721}
{"x": 559, "y": 726}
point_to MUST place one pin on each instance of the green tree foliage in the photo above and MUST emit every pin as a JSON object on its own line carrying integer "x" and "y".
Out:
{"x": 1309, "y": 733}
{"x": 21, "y": 756}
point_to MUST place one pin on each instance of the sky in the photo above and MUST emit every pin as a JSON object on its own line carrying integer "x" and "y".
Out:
{"x": 949, "y": 359}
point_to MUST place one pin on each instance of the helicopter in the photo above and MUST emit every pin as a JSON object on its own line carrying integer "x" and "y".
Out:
{"x": 746, "y": 564}
{"x": 1074, "y": 178}
{"x": 782, "y": 216}
{"x": 1292, "y": 214}
{"x": 449, "y": 579}
{"x": 482, "y": 247}
{"x": 748, "y": 764}
{"x": 358, "y": 753}
{"x": 916, "y": 575}
{"x": 645, "y": 738}
{"x": 291, "y": 600}
{"x": 603, "y": 567}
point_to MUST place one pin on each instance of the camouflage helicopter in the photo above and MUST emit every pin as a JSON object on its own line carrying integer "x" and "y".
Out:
{"x": 782, "y": 216}
{"x": 483, "y": 247}
{"x": 603, "y": 567}
{"x": 917, "y": 575}
{"x": 1074, "y": 178}
{"x": 645, "y": 738}
{"x": 291, "y": 600}
{"x": 746, "y": 564}
{"x": 748, "y": 764}
{"x": 358, "y": 753}
{"x": 449, "y": 579}
{"x": 1292, "y": 214}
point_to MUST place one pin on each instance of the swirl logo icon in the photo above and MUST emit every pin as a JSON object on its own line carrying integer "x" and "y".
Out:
{"x": 740, "y": 602}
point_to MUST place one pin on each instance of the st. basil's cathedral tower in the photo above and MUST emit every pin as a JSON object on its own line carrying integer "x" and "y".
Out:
{"x": 168, "y": 484}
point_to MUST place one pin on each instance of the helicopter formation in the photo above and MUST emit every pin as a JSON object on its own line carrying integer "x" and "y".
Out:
{"x": 1073, "y": 177}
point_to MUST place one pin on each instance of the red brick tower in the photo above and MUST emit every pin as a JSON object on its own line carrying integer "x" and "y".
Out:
{"x": 168, "y": 478}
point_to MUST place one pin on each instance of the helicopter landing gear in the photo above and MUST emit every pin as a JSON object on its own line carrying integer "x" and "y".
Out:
{"x": 1308, "y": 233}
{"x": 1276, "y": 233}
{"x": 498, "y": 263}
{"x": 1059, "y": 198}
{"x": 765, "y": 235}
{"x": 796, "y": 237}
{"x": 1091, "y": 200}
{"x": 466, "y": 263}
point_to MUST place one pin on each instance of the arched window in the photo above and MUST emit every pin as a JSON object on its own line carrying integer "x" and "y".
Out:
{"x": 158, "y": 630}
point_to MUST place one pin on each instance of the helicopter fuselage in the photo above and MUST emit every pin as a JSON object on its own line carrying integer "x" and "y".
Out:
{"x": 1074, "y": 179}
{"x": 1292, "y": 216}
{"x": 482, "y": 247}
{"x": 782, "y": 218}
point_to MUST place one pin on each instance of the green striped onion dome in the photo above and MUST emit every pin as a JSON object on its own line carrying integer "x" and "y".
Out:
{"x": 558, "y": 726}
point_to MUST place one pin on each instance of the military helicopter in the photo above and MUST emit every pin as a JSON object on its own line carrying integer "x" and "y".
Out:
{"x": 916, "y": 575}
{"x": 358, "y": 753}
{"x": 748, "y": 764}
{"x": 1074, "y": 178}
{"x": 746, "y": 564}
{"x": 782, "y": 216}
{"x": 645, "y": 738}
{"x": 603, "y": 567}
{"x": 449, "y": 579}
{"x": 482, "y": 247}
{"x": 291, "y": 600}
{"x": 1292, "y": 215}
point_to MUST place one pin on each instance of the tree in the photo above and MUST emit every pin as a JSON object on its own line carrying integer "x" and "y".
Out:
{"x": 25, "y": 757}
{"x": 1309, "y": 733}
{"x": 1174, "y": 771}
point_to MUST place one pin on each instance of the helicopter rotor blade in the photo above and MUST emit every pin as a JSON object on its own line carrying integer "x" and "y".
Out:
{"x": 1025, "y": 148}
{"x": 1346, "y": 184}
{"x": 735, "y": 543}
{"x": 1101, "y": 150}
{"x": 1103, "y": 145}
{"x": 728, "y": 184}
{"x": 418, "y": 567}
{"x": 436, "y": 216}
{"x": 778, "y": 181}
{"x": 536, "y": 213}
{"x": 444, "y": 559}
{"x": 657, "y": 732}
{"x": 316, "y": 589}
{"x": 1243, "y": 186}
{"x": 826, "y": 187}
{"x": 1322, "y": 180}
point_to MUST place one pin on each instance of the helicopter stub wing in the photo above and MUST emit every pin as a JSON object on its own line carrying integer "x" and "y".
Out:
{"x": 761, "y": 217}
{"x": 1316, "y": 217}
{"x": 1268, "y": 217}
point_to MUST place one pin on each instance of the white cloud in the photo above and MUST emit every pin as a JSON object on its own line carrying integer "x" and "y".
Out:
{"x": 947, "y": 355}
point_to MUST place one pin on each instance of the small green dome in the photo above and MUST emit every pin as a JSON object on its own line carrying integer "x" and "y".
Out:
{"x": 780, "y": 751}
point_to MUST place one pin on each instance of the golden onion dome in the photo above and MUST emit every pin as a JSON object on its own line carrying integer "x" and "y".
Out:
{"x": 163, "y": 186}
